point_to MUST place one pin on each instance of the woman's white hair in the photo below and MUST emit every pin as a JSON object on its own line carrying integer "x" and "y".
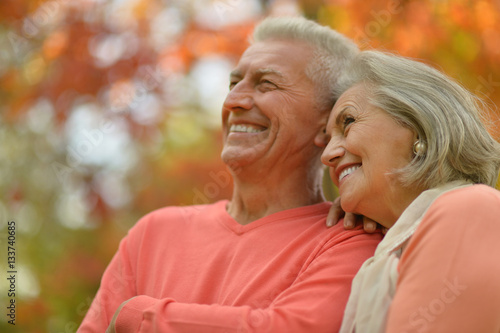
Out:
{"x": 443, "y": 114}
{"x": 332, "y": 51}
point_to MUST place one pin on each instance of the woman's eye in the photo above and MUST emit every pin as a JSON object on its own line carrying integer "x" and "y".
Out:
{"x": 347, "y": 121}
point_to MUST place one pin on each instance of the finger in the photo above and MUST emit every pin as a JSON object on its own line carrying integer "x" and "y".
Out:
{"x": 369, "y": 225}
{"x": 349, "y": 221}
{"x": 334, "y": 214}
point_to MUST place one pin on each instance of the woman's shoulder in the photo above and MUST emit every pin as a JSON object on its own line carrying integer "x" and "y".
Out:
{"x": 456, "y": 223}
{"x": 463, "y": 209}
{"x": 474, "y": 190}
{"x": 470, "y": 197}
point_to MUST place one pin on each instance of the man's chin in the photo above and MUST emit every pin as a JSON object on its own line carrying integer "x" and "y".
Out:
{"x": 236, "y": 157}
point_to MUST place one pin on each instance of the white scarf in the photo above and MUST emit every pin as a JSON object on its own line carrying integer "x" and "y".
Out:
{"x": 374, "y": 285}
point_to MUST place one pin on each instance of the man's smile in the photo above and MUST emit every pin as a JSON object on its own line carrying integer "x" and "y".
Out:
{"x": 246, "y": 128}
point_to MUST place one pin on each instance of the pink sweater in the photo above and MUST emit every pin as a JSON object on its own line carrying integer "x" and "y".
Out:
{"x": 195, "y": 269}
{"x": 450, "y": 272}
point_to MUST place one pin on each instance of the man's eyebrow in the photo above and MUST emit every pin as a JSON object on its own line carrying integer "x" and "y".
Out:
{"x": 263, "y": 71}
{"x": 235, "y": 73}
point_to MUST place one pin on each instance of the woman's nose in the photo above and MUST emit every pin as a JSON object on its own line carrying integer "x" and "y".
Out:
{"x": 332, "y": 152}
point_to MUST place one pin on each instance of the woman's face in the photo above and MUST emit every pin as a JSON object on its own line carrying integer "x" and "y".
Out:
{"x": 366, "y": 145}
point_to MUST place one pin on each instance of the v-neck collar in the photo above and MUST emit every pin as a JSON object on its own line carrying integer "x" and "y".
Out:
{"x": 239, "y": 229}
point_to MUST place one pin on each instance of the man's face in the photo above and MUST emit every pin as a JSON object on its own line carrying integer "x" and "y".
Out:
{"x": 270, "y": 115}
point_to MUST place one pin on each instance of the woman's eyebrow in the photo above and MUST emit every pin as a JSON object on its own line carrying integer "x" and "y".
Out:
{"x": 340, "y": 115}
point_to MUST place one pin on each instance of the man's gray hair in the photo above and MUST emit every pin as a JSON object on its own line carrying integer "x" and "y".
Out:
{"x": 443, "y": 114}
{"x": 332, "y": 51}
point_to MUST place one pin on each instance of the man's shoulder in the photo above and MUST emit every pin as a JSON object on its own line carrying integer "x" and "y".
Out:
{"x": 328, "y": 237}
{"x": 339, "y": 234}
{"x": 177, "y": 215}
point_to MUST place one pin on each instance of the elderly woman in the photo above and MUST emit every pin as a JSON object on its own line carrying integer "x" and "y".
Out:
{"x": 408, "y": 150}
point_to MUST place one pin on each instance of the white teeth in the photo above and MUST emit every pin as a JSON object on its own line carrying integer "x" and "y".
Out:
{"x": 244, "y": 129}
{"x": 348, "y": 171}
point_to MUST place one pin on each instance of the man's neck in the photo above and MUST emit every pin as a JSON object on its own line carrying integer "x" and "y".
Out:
{"x": 254, "y": 200}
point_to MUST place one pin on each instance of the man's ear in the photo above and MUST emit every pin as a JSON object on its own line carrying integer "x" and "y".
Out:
{"x": 322, "y": 138}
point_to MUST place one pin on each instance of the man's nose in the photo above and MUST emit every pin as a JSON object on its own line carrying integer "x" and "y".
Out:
{"x": 333, "y": 151}
{"x": 239, "y": 98}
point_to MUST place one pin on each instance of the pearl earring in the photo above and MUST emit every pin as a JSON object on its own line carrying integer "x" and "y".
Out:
{"x": 419, "y": 148}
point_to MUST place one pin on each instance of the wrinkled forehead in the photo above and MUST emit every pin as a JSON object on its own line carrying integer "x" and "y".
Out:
{"x": 276, "y": 55}
{"x": 355, "y": 98}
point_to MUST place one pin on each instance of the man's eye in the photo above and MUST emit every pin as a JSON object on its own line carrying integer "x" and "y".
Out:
{"x": 232, "y": 84}
{"x": 268, "y": 85}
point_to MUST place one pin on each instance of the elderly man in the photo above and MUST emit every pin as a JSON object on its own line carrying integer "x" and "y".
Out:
{"x": 264, "y": 261}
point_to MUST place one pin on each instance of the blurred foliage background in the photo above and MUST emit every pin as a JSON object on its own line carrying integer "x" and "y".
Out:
{"x": 110, "y": 109}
